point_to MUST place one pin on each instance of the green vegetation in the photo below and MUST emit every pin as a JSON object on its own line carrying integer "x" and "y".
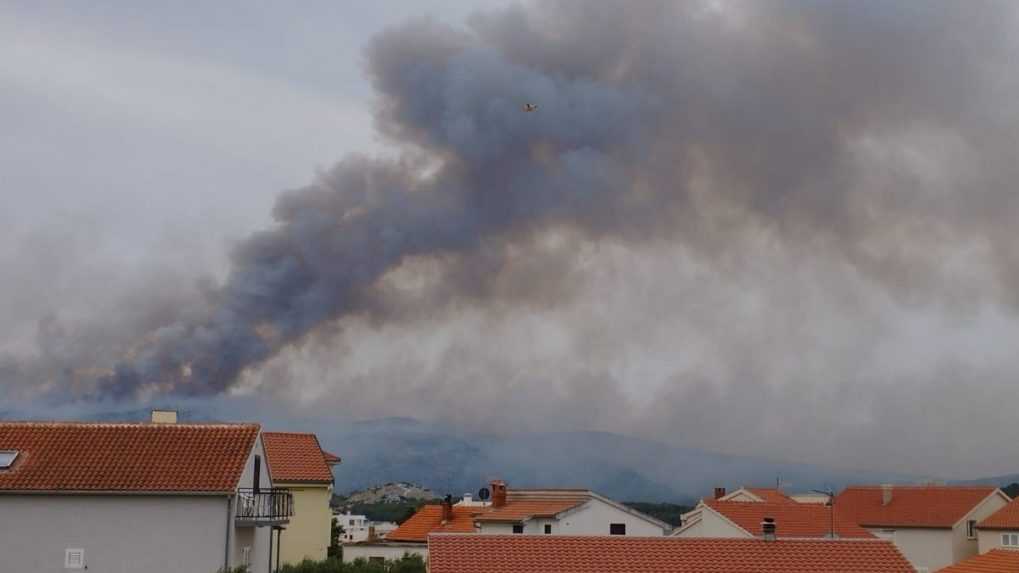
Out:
{"x": 1011, "y": 490}
{"x": 406, "y": 564}
{"x": 668, "y": 512}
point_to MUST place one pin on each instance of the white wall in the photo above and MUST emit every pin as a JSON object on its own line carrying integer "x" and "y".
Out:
{"x": 120, "y": 534}
{"x": 962, "y": 546}
{"x": 988, "y": 539}
{"x": 710, "y": 524}
{"x": 930, "y": 548}
{"x": 384, "y": 550}
{"x": 592, "y": 518}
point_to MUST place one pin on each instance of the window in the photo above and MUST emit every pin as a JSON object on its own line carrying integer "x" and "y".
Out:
{"x": 617, "y": 529}
{"x": 246, "y": 556}
{"x": 518, "y": 528}
{"x": 1010, "y": 539}
{"x": 971, "y": 531}
{"x": 74, "y": 559}
{"x": 548, "y": 529}
{"x": 7, "y": 458}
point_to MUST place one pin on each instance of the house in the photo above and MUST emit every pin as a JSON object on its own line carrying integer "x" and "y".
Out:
{"x": 743, "y": 519}
{"x": 1000, "y": 530}
{"x": 153, "y": 497}
{"x": 994, "y": 561}
{"x": 457, "y": 553}
{"x": 358, "y": 528}
{"x": 514, "y": 512}
{"x": 756, "y": 494}
{"x": 297, "y": 463}
{"x": 934, "y": 526}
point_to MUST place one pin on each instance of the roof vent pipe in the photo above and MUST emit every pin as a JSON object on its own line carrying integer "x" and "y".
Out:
{"x": 768, "y": 528}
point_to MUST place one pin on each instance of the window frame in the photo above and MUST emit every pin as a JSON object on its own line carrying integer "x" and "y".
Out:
{"x": 518, "y": 528}
{"x": 971, "y": 529}
{"x": 614, "y": 529}
{"x": 548, "y": 529}
{"x": 79, "y": 552}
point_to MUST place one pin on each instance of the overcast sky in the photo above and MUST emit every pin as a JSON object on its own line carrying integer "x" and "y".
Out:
{"x": 804, "y": 248}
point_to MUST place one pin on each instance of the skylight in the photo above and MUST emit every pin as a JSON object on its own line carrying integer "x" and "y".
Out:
{"x": 7, "y": 458}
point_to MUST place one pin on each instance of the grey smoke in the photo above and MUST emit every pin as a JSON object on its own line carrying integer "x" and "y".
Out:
{"x": 865, "y": 149}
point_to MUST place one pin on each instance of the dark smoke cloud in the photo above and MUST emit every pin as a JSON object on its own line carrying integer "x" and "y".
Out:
{"x": 867, "y": 140}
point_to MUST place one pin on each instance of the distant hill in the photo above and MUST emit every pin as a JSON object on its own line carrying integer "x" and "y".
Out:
{"x": 622, "y": 467}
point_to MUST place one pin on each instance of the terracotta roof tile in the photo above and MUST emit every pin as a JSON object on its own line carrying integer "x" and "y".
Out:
{"x": 791, "y": 519}
{"x": 771, "y": 495}
{"x": 994, "y": 561}
{"x": 295, "y": 457}
{"x": 911, "y": 506}
{"x": 1005, "y": 518}
{"x": 331, "y": 458}
{"x": 72, "y": 456}
{"x": 595, "y": 554}
{"x": 428, "y": 519}
{"x": 523, "y": 510}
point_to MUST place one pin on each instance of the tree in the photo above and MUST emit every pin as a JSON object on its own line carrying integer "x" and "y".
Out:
{"x": 335, "y": 533}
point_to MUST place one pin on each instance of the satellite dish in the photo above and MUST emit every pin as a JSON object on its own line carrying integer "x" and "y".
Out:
{"x": 484, "y": 494}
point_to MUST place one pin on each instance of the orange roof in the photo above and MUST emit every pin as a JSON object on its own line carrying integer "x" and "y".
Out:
{"x": 428, "y": 519}
{"x": 331, "y": 459}
{"x": 911, "y": 506}
{"x": 791, "y": 519}
{"x": 74, "y": 456}
{"x": 994, "y": 561}
{"x": 771, "y": 495}
{"x": 527, "y": 509}
{"x": 620, "y": 554}
{"x": 1005, "y": 518}
{"x": 295, "y": 458}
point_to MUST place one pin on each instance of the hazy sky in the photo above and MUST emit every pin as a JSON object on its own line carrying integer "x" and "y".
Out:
{"x": 784, "y": 228}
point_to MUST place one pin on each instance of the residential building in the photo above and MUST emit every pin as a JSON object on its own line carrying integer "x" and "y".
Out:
{"x": 994, "y": 561}
{"x": 457, "y": 553}
{"x": 1000, "y": 530}
{"x": 742, "y": 519}
{"x": 515, "y": 511}
{"x": 152, "y": 497}
{"x": 934, "y": 526}
{"x": 298, "y": 463}
{"x": 756, "y": 494}
{"x": 358, "y": 528}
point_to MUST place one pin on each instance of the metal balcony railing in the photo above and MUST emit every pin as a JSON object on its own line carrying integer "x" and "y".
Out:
{"x": 265, "y": 507}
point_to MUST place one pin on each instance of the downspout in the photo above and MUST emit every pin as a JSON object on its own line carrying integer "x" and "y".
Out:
{"x": 270, "y": 550}
{"x": 226, "y": 547}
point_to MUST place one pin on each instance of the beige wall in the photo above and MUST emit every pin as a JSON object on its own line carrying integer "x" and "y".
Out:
{"x": 962, "y": 546}
{"x": 307, "y": 535}
{"x": 119, "y": 534}
{"x": 988, "y": 539}
{"x": 384, "y": 550}
{"x": 930, "y": 548}
{"x": 710, "y": 524}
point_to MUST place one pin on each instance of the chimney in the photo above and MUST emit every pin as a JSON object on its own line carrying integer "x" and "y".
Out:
{"x": 886, "y": 493}
{"x": 447, "y": 509}
{"x": 768, "y": 528}
{"x": 164, "y": 416}
{"x": 468, "y": 499}
{"x": 719, "y": 492}
{"x": 498, "y": 493}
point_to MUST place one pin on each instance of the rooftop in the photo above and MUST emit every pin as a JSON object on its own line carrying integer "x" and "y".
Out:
{"x": 1005, "y": 518}
{"x": 911, "y": 506}
{"x": 994, "y": 561}
{"x": 450, "y": 553}
{"x": 125, "y": 457}
{"x": 294, "y": 457}
{"x": 792, "y": 519}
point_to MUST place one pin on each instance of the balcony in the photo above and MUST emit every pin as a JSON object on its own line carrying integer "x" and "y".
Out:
{"x": 265, "y": 507}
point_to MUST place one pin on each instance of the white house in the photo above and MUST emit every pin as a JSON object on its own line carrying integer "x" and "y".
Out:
{"x": 1000, "y": 530}
{"x": 743, "y": 519}
{"x": 934, "y": 526}
{"x": 573, "y": 512}
{"x": 152, "y": 497}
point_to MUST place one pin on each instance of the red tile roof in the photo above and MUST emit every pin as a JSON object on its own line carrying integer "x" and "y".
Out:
{"x": 1005, "y": 518}
{"x": 911, "y": 506}
{"x": 428, "y": 519}
{"x": 527, "y": 509}
{"x": 791, "y": 519}
{"x": 88, "y": 457}
{"x": 295, "y": 457}
{"x": 994, "y": 561}
{"x": 771, "y": 495}
{"x": 620, "y": 554}
{"x": 331, "y": 459}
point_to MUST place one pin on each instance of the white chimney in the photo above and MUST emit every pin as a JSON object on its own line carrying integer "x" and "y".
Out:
{"x": 886, "y": 493}
{"x": 468, "y": 499}
{"x": 164, "y": 416}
